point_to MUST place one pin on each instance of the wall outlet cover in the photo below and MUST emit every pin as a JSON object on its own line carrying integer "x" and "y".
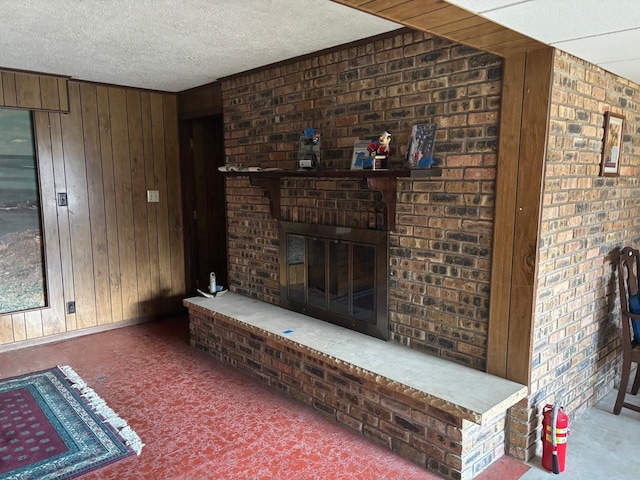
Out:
{"x": 153, "y": 196}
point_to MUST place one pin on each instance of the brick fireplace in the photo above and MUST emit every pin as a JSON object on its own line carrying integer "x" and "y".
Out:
{"x": 439, "y": 249}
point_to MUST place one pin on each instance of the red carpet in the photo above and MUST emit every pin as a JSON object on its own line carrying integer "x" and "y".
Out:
{"x": 16, "y": 443}
{"x": 201, "y": 420}
{"x": 53, "y": 426}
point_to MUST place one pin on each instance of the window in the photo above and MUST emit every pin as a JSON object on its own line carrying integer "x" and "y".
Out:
{"x": 21, "y": 248}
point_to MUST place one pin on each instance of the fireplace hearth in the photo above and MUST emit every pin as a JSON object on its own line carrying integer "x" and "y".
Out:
{"x": 336, "y": 274}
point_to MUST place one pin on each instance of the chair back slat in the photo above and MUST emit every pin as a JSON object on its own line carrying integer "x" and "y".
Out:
{"x": 628, "y": 270}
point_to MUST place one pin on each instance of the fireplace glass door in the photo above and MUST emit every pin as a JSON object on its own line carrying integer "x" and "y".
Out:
{"x": 336, "y": 274}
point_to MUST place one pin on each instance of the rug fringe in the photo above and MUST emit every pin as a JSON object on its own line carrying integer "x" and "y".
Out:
{"x": 131, "y": 438}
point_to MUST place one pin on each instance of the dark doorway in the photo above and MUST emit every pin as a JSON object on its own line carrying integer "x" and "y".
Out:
{"x": 202, "y": 141}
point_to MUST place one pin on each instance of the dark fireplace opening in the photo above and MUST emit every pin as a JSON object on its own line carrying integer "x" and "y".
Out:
{"x": 336, "y": 274}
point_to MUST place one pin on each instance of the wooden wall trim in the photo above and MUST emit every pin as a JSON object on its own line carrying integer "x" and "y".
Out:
{"x": 533, "y": 148}
{"x": 513, "y": 78}
{"x": 451, "y": 22}
{"x": 59, "y": 337}
{"x": 201, "y": 101}
{"x": 518, "y": 207}
{"x": 34, "y": 91}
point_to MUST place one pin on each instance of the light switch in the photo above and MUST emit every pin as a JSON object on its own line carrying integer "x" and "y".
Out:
{"x": 62, "y": 200}
{"x": 153, "y": 196}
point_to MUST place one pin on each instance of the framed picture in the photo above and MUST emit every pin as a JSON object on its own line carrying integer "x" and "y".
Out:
{"x": 612, "y": 144}
{"x": 420, "y": 147}
{"x": 360, "y": 154}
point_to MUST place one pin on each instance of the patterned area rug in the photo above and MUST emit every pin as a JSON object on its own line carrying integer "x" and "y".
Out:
{"x": 53, "y": 426}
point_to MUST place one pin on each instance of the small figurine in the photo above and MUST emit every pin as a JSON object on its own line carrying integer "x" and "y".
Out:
{"x": 380, "y": 150}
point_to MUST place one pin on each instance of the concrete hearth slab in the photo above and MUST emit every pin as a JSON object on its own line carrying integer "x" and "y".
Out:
{"x": 472, "y": 394}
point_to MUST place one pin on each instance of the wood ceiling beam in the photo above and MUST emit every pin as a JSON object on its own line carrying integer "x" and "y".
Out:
{"x": 451, "y": 22}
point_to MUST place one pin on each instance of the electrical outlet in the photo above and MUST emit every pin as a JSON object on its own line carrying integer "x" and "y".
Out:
{"x": 71, "y": 307}
{"x": 62, "y": 200}
{"x": 153, "y": 196}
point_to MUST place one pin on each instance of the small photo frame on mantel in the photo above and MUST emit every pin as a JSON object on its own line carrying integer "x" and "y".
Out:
{"x": 612, "y": 144}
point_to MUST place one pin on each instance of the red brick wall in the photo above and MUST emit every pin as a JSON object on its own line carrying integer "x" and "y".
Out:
{"x": 441, "y": 249}
{"x": 586, "y": 220}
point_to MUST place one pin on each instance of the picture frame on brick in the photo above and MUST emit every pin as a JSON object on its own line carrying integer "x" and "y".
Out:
{"x": 360, "y": 155}
{"x": 421, "y": 145}
{"x": 612, "y": 144}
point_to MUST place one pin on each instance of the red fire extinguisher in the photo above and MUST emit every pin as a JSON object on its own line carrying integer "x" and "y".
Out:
{"x": 555, "y": 430}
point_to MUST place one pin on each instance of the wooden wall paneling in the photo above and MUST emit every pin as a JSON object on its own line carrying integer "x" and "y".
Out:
{"x": 63, "y": 94}
{"x": 481, "y": 28}
{"x": 465, "y": 28}
{"x": 49, "y": 92}
{"x": 533, "y": 144}
{"x": 9, "y": 89}
{"x": 162, "y": 208}
{"x": 174, "y": 192}
{"x": 79, "y": 220}
{"x": 96, "y": 202}
{"x": 501, "y": 40}
{"x": 513, "y": 77}
{"x": 64, "y": 234}
{"x": 33, "y": 323}
{"x": 152, "y": 209}
{"x": 6, "y": 329}
{"x": 108, "y": 243}
{"x": 200, "y": 102}
{"x": 406, "y": 10}
{"x": 110, "y": 207}
{"x": 124, "y": 201}
{"x": 438, "y": 18}
{"x": 28, "y": 90}
{"x": 139, "y": 196}
{"x": 19, "y": 327}
{"x": 33, "y": 91}
{"x": 53, "y": 317}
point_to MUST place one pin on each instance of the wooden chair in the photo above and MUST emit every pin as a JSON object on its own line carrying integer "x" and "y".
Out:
{"x": 628, "y": 271}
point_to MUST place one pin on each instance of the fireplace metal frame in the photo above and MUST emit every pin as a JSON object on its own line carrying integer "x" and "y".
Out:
{"x": 378, "y": 240}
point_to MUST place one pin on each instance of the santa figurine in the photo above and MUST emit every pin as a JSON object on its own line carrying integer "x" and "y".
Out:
{"x": 379, "y": 151}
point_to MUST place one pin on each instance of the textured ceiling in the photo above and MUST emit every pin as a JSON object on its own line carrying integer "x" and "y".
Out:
{"x": 171, "y": 45}
{"x": 174, "y": 45}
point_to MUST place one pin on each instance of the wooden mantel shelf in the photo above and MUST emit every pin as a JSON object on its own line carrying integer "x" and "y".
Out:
{"x": 383, "y": 181}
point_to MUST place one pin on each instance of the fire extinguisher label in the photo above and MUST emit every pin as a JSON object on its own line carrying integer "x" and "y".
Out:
{"x": 559, "y": 431}
{"x": 559, "y": 440}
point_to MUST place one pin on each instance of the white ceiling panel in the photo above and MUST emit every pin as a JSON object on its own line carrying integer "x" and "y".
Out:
{"x": 604, "y": 48}
{"x": 628, "y": 68}
{"x": 603, "y": 32}
{"x": 553, "y": 21}
{"x": 483, "y": 6}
